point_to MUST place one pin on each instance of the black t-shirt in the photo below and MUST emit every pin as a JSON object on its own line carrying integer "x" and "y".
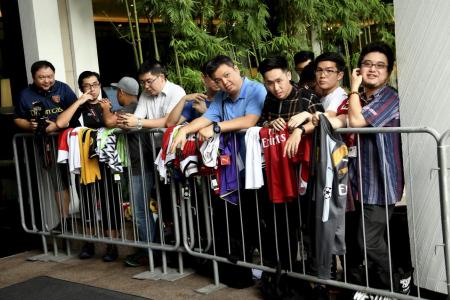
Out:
{"x": 91, "y": 114}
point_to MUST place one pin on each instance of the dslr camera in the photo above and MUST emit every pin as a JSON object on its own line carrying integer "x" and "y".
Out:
{"x": 38, "y": 114}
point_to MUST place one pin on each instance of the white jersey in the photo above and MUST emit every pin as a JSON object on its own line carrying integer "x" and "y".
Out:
{"x": 332, "y": 101}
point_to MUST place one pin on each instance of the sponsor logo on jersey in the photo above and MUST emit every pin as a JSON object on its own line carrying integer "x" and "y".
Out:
{"x": 273, "y": 140}
{"x": 342, "y": 188}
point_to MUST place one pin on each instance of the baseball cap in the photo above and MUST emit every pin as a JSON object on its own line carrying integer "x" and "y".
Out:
{"x": 128, "y": 85}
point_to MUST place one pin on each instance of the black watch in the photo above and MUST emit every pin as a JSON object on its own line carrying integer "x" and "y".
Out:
{"x": 216, "y": 128}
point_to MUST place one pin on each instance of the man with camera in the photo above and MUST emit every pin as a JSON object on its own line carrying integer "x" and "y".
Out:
{"x": 40, "y": 103}
{"x": 36, "y": 110}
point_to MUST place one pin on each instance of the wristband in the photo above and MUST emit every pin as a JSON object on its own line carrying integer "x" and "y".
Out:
{"x": 139, "y": 123}
{"x": 351, "y": 93}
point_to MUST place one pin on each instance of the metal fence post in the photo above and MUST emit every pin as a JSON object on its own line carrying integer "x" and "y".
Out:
{"x": 445, "y": 206}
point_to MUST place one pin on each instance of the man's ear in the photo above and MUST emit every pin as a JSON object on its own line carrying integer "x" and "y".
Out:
{"x": 340, "y": 75}
{"x": 289, "y": 75}
{"x": 237, "y": 69}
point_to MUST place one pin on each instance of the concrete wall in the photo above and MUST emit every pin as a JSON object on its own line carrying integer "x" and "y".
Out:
{"x": 422, "y": 30}
{"x": 62, "y": 32}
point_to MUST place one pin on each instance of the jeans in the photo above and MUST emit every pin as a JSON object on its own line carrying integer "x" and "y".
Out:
{"x": 142, "y": 213}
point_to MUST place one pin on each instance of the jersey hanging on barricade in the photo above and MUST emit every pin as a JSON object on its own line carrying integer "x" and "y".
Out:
{"x": 329, "y": 196}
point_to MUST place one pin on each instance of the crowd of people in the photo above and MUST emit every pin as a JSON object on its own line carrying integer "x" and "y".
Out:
{"x": 289, "y": 112}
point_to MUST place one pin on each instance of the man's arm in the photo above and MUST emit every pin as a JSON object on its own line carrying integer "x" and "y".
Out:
{"x": 194, "y": 126}
{"x": 25, "y": 124}
{"x": 64, "y": 118}
{"x": 109, "y": 118}
{"x": 355, "y": 116}
{"x": 175, "y": 117}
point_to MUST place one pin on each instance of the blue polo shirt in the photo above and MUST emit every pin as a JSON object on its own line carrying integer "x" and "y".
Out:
{"x": 250, "y": 102}
{"x": 57, "y": 99}
{"x": 190, "y": 113}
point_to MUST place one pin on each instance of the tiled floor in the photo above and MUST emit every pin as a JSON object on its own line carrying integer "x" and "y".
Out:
{"x": 114, "y": 276}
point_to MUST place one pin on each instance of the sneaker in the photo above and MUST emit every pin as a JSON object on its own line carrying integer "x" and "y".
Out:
{"x": 87, "y": 251}
{"x": 365, "y": 296}
{"x": 111, "y": 253}
{"x": 402, "y": 282}
{"x": 140, "y": 258}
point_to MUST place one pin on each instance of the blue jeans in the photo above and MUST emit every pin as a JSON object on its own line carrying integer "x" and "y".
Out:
{"x": 142, "y": 213}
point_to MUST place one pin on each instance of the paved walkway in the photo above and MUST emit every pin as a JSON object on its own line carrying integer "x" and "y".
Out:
{"x": 113, "y": 276}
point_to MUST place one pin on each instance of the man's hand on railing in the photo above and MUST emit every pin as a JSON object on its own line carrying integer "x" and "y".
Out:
{"x": 291, "y": 146}
{"x": 205, "y": 133}
{"x": 278, "y": 124}
{"x": 178, "y": 141}
{"x": 127, "y": 121}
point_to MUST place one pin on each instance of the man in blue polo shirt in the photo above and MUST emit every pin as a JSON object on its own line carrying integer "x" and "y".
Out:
{"x": 237, "y": 106}
{"x": 45, "y": 92}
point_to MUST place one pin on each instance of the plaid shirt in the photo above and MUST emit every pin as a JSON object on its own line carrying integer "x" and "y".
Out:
{"x": 299, "y": 100}
{"x": 381, "y": 154}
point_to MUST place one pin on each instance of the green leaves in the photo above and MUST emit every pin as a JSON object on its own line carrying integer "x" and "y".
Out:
{"x": 250, "y": 30}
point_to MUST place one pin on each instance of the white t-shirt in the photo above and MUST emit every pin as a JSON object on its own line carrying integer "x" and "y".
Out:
{"x": 332, "y": 101}
{"x": 155, "y": 107}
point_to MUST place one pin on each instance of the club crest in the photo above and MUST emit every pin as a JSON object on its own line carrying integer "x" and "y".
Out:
{"x": 56, "y": 99}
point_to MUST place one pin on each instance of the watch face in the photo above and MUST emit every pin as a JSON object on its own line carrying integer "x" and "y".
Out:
{"x": 216, "y": 128}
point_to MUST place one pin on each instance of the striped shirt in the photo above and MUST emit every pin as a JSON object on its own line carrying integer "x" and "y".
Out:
{"x": 381, "y": 154}
{"x": 299, "y": 100}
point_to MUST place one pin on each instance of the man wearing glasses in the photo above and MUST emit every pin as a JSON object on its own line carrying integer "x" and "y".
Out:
{"x": 158, "y": 99}
{"x": 382, "y": 178}
{"x": 329, "y": 69}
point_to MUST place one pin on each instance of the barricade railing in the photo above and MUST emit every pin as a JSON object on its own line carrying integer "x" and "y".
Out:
{"x": 99, "y": 212}
{"x": 253, "y": 251}
{"x": 252, "y": 234}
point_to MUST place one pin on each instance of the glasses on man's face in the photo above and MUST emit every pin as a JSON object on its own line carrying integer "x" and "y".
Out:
{"x": 369, "y": 64}
{"x": 89, "y": 86}
{"x": 148, "y": 81}
{"x": 325, "y": 72}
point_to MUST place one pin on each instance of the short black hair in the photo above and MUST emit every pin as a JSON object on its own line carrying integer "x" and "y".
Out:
{"x": 331, "y": 56}
{"x": 303, "y": 56}
{"x": 84, "y": 75}
{"x": 203, "y": 68}
{"x": 216, "y": 62}
{"x": 378, "y": 47}
{"x": 308, "y": 75}
{"x": 153, "y": 66}
{"x": 274, "y": 62}
{"x": 36, "y": 66}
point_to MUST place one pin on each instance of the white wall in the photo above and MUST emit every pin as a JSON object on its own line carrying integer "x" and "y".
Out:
{"x": 41, "y": 34}
{"x": 62, "y": 32}
{"x": 422, "y": 30}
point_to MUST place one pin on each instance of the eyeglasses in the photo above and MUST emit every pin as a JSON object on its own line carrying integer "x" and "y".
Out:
{"x": 368, "y": 64}
{"x": 326, "y": 72}
{"x": 90, "y": 86}
{"x": 148, "y": 81}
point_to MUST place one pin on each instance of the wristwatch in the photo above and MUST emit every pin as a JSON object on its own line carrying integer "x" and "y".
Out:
{"x": 139, "y": 123}
{"x": 216, "y": 128}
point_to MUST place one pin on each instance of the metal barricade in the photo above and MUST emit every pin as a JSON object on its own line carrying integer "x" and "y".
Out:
{"x": 266, "y": 236}
{"x": 115, "y": 210}
{"x": 254, "y": 234}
